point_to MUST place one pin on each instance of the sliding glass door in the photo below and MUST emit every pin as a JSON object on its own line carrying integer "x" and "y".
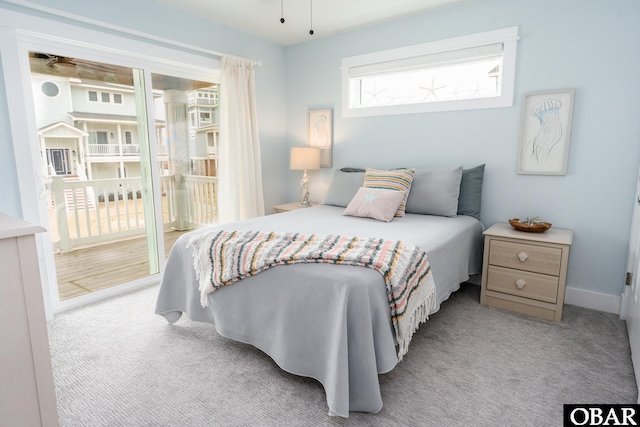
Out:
{"x": 190, "y": 112}
{"x": 130, "y": 163}
{"x": 100, "y": 190}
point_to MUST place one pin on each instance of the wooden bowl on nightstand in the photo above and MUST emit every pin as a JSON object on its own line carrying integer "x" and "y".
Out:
{"x": 533, "y": 228}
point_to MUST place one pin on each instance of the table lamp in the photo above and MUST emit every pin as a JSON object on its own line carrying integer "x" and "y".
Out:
{"x": 305, "y": 158}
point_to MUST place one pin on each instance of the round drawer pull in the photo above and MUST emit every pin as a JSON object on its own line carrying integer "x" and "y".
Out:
{"x": 520, "y": 283}
{"x": 522, "y": 256}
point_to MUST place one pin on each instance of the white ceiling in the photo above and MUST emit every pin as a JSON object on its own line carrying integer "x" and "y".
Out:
{"x": 262, "y": 17}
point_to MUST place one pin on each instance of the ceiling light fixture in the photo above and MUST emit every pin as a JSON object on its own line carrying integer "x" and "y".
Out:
{"x": 311, "y": 30}
{"x": 282, "y": 11}
{"x": 310, "y": 15}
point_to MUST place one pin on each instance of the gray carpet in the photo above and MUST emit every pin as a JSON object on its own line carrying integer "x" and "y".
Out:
{"x": 117, "y": 364}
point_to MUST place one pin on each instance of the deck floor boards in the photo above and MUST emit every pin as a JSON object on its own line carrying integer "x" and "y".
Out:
{"x": 98, "y": 267}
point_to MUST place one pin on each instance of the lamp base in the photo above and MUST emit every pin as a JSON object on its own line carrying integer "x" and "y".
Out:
{"x": 304, "y": 183}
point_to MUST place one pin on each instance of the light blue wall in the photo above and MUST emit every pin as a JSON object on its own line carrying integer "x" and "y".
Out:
{"x": 151, "y": 18}
{"x": 589, "y": 45}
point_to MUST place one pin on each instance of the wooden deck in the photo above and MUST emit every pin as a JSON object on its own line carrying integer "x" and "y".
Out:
{"x": 94, "y": 268}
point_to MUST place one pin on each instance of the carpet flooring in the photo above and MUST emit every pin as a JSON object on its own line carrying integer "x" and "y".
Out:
{"x": 117, "y": 364}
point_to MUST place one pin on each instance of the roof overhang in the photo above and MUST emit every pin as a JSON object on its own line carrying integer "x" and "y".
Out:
{"x": 64, "y": 130}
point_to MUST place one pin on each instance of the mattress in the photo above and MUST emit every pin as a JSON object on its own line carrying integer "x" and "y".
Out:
{"x": 324, "y": 321}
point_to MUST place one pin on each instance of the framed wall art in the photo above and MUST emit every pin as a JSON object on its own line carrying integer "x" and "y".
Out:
{"x": 545, "y": 132}
{"x": 321, "y": 134}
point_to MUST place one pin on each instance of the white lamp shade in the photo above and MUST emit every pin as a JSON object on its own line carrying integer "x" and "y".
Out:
{"x": 305, "y": 158}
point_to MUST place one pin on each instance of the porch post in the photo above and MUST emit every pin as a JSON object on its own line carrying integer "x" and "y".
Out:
{"x": 120, "y": 150}
{"x": 178, "y": 140}
{"x": 57, "y": 187}
{"x": 81, "y": 154}
{"x": 43, "y": 153}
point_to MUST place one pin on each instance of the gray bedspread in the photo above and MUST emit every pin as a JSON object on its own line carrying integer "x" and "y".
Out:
{"x": 324, "y": 321}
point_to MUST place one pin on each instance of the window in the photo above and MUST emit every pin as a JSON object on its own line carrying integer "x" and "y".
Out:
{"x": 104, "y": 97}
{"x": 205, "y": 117}
{"x": 127, "y": 137}
{"x": 50, "y": 89}
{"x": 98, "y": 137}
{"x": 469, "y": 72}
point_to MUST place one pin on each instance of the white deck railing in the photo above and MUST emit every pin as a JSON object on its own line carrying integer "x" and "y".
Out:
{"x": 120, "y": 150}
{"x": 202, "y": 192}
{"x": 117, "y": 210}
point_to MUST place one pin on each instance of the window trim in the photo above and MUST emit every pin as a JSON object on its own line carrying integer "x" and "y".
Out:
{"x": 89, "y": 96}
{"x": 507, "y": 36}
{"x": 100, "y": 97}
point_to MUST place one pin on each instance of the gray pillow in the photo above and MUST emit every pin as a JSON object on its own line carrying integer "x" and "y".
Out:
{"x": 469, "y": 201}
{"x": 435, "y": 191}
{"x": 343, "y": 187}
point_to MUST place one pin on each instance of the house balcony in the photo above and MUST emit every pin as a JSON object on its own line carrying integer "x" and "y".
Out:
{"x": 129, "y": 151}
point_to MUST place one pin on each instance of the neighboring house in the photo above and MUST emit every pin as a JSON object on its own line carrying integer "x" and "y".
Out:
{"x": 87, "y": 128}
{"x": 202, "y": 107}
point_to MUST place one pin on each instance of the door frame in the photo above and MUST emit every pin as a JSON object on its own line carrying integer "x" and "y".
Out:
{"x": 19, "y": 34}
{"x": 633, "y": 255}
{"x": 630, "y": 305}
{"x": 66, "y": 165}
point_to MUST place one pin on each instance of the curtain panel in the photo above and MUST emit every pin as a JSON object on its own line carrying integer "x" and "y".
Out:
{"x": 240, "y": 194}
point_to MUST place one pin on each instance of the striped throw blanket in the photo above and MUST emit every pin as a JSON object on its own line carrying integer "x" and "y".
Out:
{"x": 224, "y": 257}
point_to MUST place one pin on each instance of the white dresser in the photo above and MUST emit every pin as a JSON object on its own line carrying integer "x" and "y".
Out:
{"x": 27, "y": 393}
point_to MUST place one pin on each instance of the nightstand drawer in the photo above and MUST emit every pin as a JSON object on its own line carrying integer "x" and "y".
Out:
{"x": 534, "y": 286}
{"x": 538, "y": 259}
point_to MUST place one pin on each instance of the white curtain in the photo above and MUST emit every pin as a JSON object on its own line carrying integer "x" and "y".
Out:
{"x": 239, "y": 171}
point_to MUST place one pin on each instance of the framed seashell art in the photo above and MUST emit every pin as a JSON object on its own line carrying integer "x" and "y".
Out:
{"x": 321, "y": 134}
{"x": 545, "y": 132}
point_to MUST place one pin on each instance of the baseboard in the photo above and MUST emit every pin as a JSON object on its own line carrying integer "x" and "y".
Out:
{"x": 593, "y": 300}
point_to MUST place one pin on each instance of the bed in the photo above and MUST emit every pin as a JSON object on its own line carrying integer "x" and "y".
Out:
{"x": 324, "y": 321}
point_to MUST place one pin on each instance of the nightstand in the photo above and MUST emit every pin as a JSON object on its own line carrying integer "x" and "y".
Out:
{"x": 289, "y": 207}
{"x": 525, "y": 272}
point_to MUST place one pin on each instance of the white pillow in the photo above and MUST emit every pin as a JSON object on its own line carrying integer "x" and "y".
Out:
{"x": 376, "y": 203}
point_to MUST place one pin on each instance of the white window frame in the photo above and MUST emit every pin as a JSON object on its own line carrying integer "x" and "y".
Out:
{"x": 507, "y": 36}
{"x": 89, "y": 96}
{"x": 99, "y": 97}
{"x": 201, "y": 120}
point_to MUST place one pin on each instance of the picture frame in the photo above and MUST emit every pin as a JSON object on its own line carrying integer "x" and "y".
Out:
{"x": 321, "y": 134}
{"x": 545, "y": 132}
